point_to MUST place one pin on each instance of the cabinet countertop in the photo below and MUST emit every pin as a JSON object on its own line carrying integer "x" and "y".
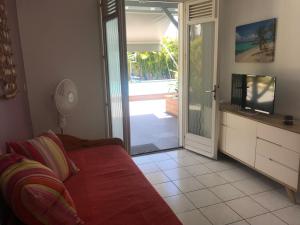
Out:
{"x": 275, "y": 120}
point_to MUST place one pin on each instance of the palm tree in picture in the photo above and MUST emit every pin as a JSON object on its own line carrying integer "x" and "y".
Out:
{"x": 262, "y": 41}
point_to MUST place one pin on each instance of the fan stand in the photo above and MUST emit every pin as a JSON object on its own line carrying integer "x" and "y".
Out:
{"x": 62, "y": 121}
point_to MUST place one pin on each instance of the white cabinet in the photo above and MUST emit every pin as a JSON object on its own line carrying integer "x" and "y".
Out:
{"x": 268, "y": 149}
{"x": 241, "y": 138}
{"x": 277, "y": 153}
{"x": 278, "y": 162}
{"x": 222, "y": 138}
{"x": 223, "y": 131}
{"x": 238, "y": 138}
{"x": 279, "y": 136}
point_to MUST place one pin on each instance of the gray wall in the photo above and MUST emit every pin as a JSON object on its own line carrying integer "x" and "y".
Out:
{"x": 287, "y": 59}
{"x": 15, "y": 121}
{"x": 60, "y": 39}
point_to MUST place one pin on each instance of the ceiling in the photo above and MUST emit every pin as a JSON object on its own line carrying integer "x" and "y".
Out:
{"x": 146, "y": 25}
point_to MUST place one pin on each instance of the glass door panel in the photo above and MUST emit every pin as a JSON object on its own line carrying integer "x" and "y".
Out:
{"x": 201, "y": 79}
{"x": 114, "y": 77}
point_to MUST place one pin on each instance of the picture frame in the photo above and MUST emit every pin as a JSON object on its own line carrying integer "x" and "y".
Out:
{"x": 255, "y": 42}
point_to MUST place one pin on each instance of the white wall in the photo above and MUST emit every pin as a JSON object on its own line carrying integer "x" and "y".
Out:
{"x": 287, "y": 57}
{"x": 60, "y": 39}
{"x": 15, "y": 123}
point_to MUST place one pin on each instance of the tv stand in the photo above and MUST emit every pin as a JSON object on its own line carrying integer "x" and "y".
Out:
{"x": 263, "y": 143}
{"x": 248, "y": 112}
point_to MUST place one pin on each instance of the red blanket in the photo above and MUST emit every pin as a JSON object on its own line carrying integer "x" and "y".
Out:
{"x": 111, "y": 190}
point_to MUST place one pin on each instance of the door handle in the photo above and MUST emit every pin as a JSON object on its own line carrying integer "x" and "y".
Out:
{"x": 214, "y": 91}
{"x": 211, "y": 91}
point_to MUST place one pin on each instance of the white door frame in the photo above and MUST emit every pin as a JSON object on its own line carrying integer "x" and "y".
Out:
{"x": 193, "y": 142}
{"x": 181, "y": 17}
{"x": 181, "y": 56}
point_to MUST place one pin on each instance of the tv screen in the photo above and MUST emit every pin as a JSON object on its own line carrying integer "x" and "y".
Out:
{"x": 260, "y": 93}
{"x": 254, "y": 92}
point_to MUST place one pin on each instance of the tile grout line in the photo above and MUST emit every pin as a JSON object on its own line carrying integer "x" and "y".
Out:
{"x": 279, "y": 218}
{"x": 238, "y": 222}
{"x": 184, "y": 194}
{"x": 208, "y": 188}
{"x": 195, "y": 177}
{"x": 198, "y": 209}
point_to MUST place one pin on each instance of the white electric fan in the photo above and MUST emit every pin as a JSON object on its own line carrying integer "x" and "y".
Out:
{"x": 66, "y": 98}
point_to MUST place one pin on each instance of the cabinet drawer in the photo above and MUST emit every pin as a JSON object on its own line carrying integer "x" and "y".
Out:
{"x": 278, "y": 154}
{"x": 279, "y": 136}
{"x": 238, "y": 122}
{"x": 277, "y": 171}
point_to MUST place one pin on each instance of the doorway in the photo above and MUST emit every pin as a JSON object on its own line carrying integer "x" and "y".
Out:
{"x": 153, "y": 78}
{"x": 200, "y": 89}
{"x": 148, "y": 64}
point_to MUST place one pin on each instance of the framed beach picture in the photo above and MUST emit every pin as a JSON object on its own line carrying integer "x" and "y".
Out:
{"x": 255, "y": 42}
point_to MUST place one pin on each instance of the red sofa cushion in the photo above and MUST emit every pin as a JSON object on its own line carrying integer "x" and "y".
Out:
{"x": 48, "y": 150}
{"x": 34, "y": 192}
{"x": 111, "y": 190}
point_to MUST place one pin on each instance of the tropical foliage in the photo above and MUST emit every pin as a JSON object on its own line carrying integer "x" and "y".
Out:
{"x": 155, "y": 65}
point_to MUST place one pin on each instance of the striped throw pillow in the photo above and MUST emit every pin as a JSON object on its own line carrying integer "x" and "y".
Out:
{"x": 48, "y": 150}
{"x": 34, "y": 193}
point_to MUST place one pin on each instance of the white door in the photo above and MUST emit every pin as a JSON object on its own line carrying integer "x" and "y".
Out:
{"x": 115, "y": 55}
{"x": 200, "y": 33}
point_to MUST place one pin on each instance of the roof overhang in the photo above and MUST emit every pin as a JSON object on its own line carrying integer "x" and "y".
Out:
{"x": 148, "y": 22}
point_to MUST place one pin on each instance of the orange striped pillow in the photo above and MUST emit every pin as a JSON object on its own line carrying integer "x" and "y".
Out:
{"x": 48, "y": 150}
{"x": 34, "y": 193}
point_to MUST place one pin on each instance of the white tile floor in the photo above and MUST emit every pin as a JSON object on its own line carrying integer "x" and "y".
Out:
{"x": 202, "y": 191}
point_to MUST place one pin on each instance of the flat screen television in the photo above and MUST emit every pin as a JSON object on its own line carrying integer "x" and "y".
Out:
{"x": 254, "y": 92}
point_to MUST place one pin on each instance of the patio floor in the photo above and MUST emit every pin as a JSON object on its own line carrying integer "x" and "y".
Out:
{"x": 152, "y": 129}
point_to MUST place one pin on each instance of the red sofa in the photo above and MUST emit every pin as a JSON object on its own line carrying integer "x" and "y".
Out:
{"x": 110, "y": 189}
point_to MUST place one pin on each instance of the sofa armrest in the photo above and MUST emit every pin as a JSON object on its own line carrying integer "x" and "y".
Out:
{"x": 72, "y": 143}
